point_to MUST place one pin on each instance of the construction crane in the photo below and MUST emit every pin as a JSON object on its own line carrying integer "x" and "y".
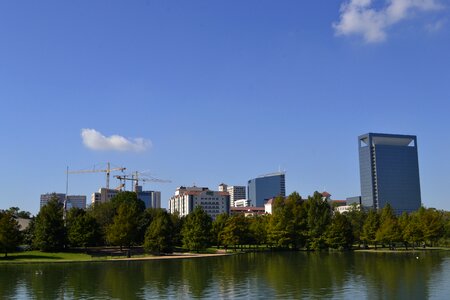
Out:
{"x": 136, "y": 178}
{"x": 108, "y": 171}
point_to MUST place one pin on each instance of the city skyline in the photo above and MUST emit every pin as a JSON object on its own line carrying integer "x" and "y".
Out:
{"x": 206, "y": 93}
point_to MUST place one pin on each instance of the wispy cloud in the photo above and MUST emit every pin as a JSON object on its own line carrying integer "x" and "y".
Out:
{"x": 371, "y": 19}
{"x": 94, "y": 140}
{"x": 436, "y": 26}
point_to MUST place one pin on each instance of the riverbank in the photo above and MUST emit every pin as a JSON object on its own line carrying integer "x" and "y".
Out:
{"x": 30, "y": 257}
{"x": 403, "y": 250}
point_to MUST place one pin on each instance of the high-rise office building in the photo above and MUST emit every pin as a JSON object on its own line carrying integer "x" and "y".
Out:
{"x": 389, "y": 171}
{"x": 152, "y": 199}
{"x": 265, "y": 187}
{"x": 78, "y": 201}
{"x": 236, "y": 193}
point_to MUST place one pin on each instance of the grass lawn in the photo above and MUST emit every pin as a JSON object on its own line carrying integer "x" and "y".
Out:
{"x": 38, "y": 256}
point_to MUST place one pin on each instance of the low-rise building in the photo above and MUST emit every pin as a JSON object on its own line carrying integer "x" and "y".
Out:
{"x": 347, "y": 208}
{"x": 187, "y": 198}
{"x": 248, "y": 211}
{"x": 241, "y": 203}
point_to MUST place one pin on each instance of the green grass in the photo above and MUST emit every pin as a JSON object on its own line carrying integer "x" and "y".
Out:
{"x": 38, "y": 256}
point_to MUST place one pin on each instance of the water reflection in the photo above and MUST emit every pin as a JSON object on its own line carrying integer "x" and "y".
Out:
{"x": 265, "y": 275}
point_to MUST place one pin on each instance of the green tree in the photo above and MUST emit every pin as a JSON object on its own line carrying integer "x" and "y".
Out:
{"x": 103, "y": 214}
{"x": 356, "y": 216}
{"x": 280, "y": 229}
{"x": 389, "y": 231}
{"x": 50, "y": 232}
{"x": 370, "y": 228}
{"x": 196, "y": 230}
{"x": 177, "y": 222}
{"x": 432, "y": 224}
{"x": 9, "y": 233}
{"x": 287, "y": 226}
{"x": 131, "y": 199}
{"x": 339, "y": 234}
{"x": 124, "y": 229}
{"x": 16, "y": 212}
{"x": 236, "y": 231}
{"x": 28, "y": 233}
{"x": 318, "y": 220}
{"x": 411, "y": 230}
{"x": 218, "y": 226}
{"x": 158, "y": 238}
{"x": 82, "y": 228}
{"x": 258, "y": 229}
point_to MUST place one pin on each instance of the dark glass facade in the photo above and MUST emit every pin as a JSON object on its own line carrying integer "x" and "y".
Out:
{"x": 265, "y": 187}
{"x": 389, "y": 171}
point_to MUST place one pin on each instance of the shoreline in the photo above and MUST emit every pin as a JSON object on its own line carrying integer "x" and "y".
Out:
{"x": 122, "y": 259}
{"x": 176, "y": 256}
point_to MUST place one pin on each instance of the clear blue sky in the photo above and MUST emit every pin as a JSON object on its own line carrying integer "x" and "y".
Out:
{"x": 223, "y": 90}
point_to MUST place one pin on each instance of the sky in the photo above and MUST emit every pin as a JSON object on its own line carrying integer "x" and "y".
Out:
{"x": 205, "y": 92}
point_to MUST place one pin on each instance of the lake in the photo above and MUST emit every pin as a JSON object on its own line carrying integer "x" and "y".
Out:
{"x": 293, "y": 275}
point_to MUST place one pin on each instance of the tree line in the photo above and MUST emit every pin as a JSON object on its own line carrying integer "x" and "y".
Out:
{"x": 295, "y": 223}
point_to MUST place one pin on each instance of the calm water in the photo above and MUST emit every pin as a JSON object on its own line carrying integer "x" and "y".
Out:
{"x": 250, "y": 276}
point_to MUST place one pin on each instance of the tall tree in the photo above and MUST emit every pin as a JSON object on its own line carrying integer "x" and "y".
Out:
{"x": 124, "y": 229}
{"x": 103, "y": 213}
{"x": 50, "y": 232}
{"x": 280, "y": 229}
{"x": 82, "y": 228}
{"x": 197, "y": 230}
{"x": 177, "y": 222}
{"x": 258, "y": 229}
{"x": 432, "y": 224}
{"x": 158, "y": 238}
{"x": 389, "y": 231}
{"x": 218, "y": 226}
{"x": 319, "y": 218}
{"x": 356, "y": 216}
{"x": 236, "y": 231}
{"x": 339, "y": 234}
{"x": 9, "y": 233}
{"x": 370, "y": 228}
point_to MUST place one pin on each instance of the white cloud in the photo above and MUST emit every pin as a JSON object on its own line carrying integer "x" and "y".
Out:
{"x": 436, "y": 26}
{"x": 371, "y": 20}
{"x": 94, "y": 140}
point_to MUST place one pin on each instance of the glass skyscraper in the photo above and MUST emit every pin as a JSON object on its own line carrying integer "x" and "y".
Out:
{"x": 265, "y": 187}
{"x": 389, "y": 171}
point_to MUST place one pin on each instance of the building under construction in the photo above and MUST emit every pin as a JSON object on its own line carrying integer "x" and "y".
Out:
{"x": 152, "y": 199}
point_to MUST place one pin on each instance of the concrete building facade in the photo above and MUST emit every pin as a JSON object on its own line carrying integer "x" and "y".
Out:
{"x": 389, "y": 171}
{"x": 187, "y": 198}
{"x": 103, "y": 195}
{"x": 152, "y": 199}
{"x": 265, "y": 187}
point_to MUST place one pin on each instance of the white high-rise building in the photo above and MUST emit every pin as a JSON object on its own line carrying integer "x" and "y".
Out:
{"x": 187, "y": 198}
{"x": 236, "y": 193}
